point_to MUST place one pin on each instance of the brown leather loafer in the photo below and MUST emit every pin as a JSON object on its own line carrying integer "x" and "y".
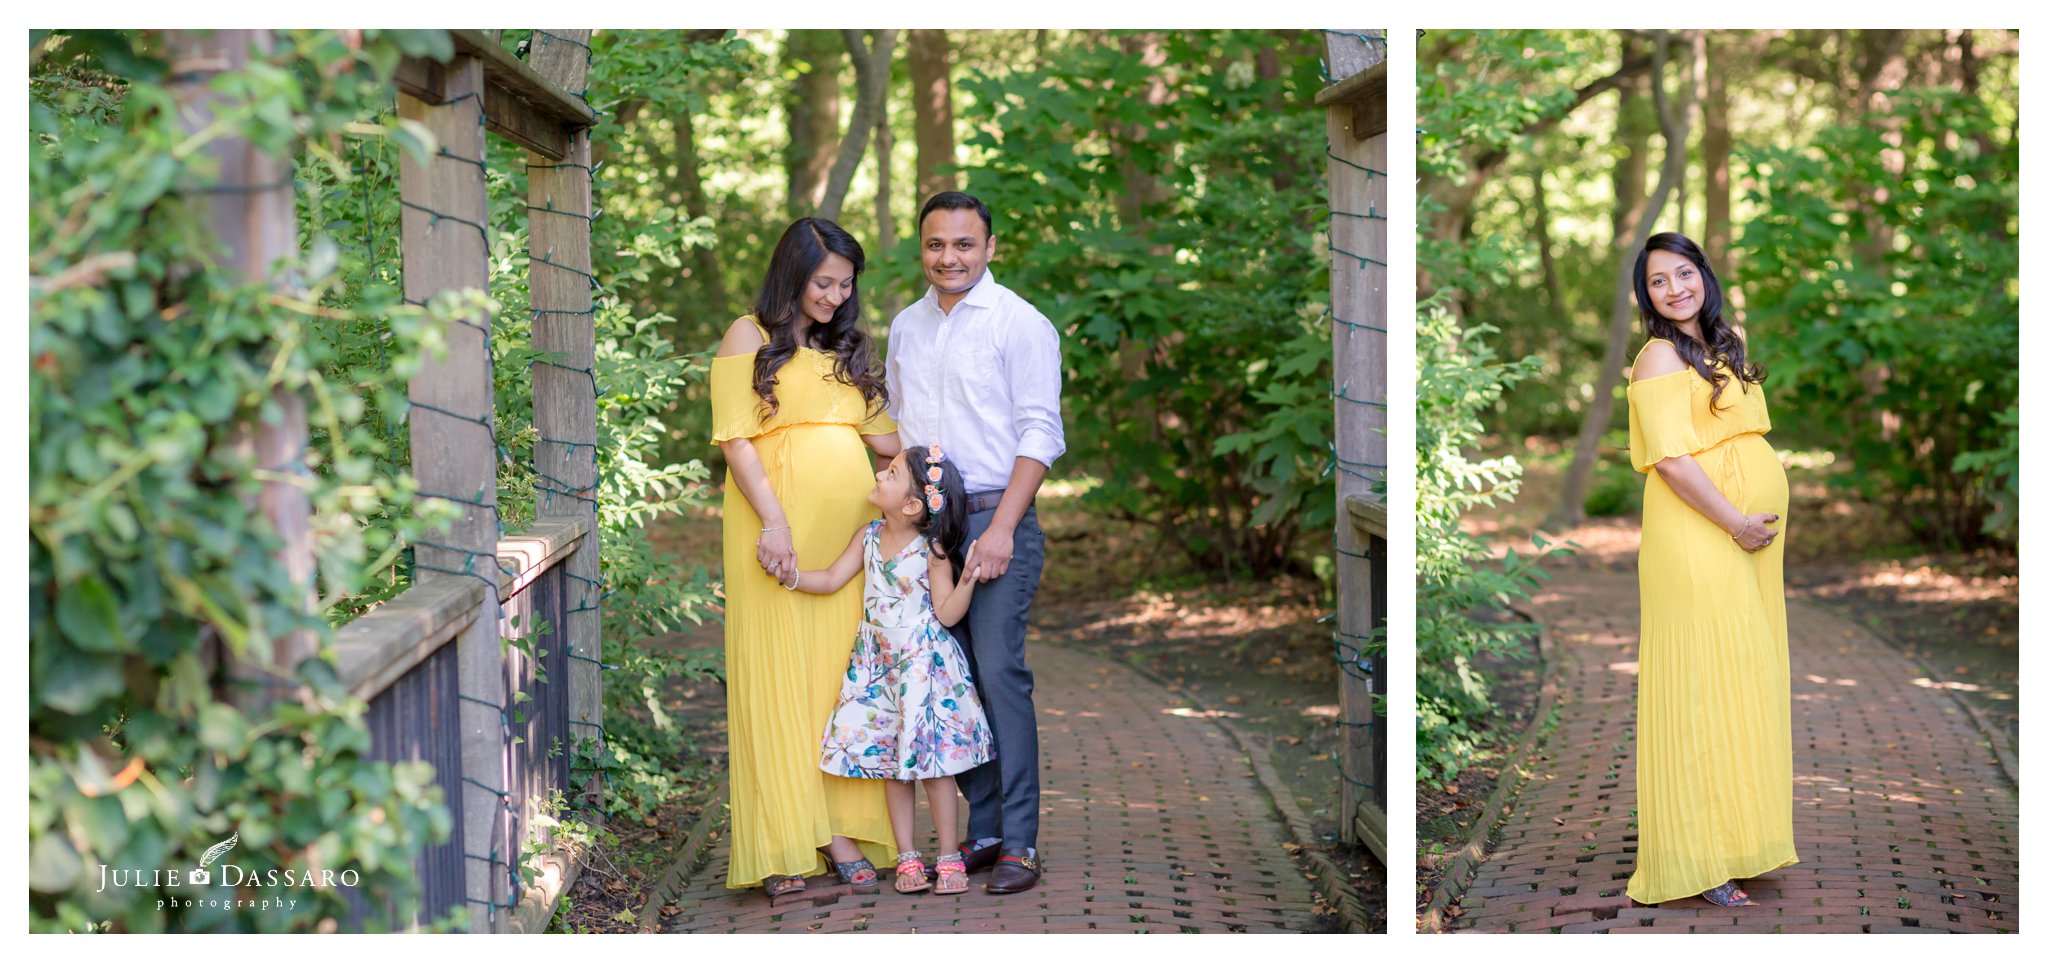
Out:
{"x": 980, "y": 859}
{"x": 1016, "y": 871}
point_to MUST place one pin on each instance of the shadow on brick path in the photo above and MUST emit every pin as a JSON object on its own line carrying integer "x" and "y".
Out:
{"x": 1151, "y": 822}
{"x": 1903, "y": 819}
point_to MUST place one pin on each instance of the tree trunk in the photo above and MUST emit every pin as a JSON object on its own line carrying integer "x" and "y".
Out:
{"x": 703, "y": 259}
{"x": 931, "y": 99}
{"x": 1715, "y": 145}
{"x": 1553, "y": 286}
{"x": 871, "y": 86}
{"x": 812, "y": 105}
{"x": 1635, "y": 120}
{"x": 1677, "y": 126}
{"x": 885, "y": 304}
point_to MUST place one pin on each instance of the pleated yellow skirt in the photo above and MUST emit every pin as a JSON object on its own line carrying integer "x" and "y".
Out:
{"x": 1713, "y": 700}
{"x": 785, "y": 654}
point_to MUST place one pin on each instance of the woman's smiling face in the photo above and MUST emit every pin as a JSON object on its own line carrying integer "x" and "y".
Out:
{"x": 1676, "y": 288}
{"x": 829, "y": 287}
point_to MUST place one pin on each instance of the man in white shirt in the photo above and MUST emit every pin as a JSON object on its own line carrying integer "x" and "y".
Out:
{"x": 975, "y": 369}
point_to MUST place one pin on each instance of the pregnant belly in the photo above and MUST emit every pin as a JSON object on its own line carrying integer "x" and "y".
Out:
{"x": 1747, "y": 470}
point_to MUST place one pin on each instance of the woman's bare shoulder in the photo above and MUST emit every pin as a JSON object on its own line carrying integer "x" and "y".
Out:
{"x": 1658, "y": 358}
{"x": 743, "y": 337}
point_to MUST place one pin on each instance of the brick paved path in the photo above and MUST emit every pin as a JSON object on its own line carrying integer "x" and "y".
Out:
{"x": 1902, "y": 818}
{"x": 1152, "y": 822}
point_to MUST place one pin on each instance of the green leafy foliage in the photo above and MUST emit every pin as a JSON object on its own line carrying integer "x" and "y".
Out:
{"x": 149, "y": 566}
{"x": 1457, "y": 380}
{"x": 1176, "y": 237}
{"x": 1479, "y": 100}
{"x": 1884, "y": 294}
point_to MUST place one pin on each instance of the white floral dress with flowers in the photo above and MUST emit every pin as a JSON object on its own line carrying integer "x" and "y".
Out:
{"x": 907, "y": 708}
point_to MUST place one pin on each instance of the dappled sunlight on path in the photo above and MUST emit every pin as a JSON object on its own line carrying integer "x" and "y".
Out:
{"x": 1151, "y": 822}
{"x": 1903, "y": 818}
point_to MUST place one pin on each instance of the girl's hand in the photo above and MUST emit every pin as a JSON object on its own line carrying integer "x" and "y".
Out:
{"x": 776, "y": 551}
{"x": 1756, "y": 533}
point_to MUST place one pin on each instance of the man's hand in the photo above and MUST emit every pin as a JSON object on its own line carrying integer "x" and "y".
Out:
{"x": 990, "y": 554}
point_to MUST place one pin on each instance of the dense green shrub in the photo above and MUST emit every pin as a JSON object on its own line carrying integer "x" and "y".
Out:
{"x": 1883, "y": 287}
{"x": 1457, "y": 380}
{"x": 1198, "y": 363}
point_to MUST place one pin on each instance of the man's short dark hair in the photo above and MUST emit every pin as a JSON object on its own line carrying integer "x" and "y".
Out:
{"x": 956, "y": 201}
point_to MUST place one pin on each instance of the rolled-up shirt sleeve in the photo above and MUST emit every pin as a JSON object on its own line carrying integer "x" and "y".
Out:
{"x": 1033, "y": 360}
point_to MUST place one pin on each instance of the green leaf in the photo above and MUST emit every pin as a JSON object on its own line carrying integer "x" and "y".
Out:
{"x": 53, "y": 866}
{"x": 222, "y": 729}
{"x": 79, "y": 683}
{"x": 89, "y": 616}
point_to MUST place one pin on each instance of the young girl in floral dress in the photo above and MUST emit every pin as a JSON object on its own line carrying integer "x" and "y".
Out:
{"x": 908, "y": 712}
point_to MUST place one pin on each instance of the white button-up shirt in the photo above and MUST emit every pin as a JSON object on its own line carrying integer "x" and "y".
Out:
{"x": 982, "y": 383}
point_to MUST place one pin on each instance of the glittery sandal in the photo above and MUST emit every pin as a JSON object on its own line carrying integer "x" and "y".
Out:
{"x": 1728, "y": 894}
{"x": 859, "y": 874}
{"x": 780, "y": 886}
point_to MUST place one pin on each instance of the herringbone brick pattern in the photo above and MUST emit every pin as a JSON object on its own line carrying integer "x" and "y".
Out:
{"x": 1903, "y": 820}
{"x": 1152, "y": 822}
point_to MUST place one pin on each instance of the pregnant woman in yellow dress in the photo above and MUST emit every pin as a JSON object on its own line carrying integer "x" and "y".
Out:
{"x": 1713, "y": 699}
{"x": 797, "y": 401}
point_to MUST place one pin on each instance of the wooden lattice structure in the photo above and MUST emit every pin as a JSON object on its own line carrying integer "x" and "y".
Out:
{"x": 1356, "y": 104}
{"x": 497, "y": 723}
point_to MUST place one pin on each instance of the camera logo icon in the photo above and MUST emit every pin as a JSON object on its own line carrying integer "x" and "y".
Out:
{"x": 199, "y": 876}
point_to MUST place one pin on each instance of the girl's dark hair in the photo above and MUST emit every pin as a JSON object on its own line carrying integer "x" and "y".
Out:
{"x": 946, "y": 529}
{"x": 1720, "y": 340}
{"x": 797, "y": 256}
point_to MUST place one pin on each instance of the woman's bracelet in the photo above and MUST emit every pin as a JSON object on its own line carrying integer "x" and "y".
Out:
{"x": 799, "y": 581}
{"x": 1746, "y": 522}
{"x": 783, "y": 528}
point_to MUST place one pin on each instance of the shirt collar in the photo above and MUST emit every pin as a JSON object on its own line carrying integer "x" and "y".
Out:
{"x": 981, "y": 295}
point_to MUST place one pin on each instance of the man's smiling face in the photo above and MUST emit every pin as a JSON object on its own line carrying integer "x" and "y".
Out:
{"x": 956, "y": 249}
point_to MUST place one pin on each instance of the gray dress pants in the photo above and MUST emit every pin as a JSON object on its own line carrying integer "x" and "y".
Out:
{"x": 1002, "y": 794}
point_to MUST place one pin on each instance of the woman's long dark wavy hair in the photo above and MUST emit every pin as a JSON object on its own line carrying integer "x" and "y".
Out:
{"x": 780, "y": 309}
{"x": 946, "y": 529}
{"x": 1721, "y": 342}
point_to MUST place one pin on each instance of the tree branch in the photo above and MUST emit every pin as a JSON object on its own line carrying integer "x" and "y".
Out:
{"x": 871, "y": 83}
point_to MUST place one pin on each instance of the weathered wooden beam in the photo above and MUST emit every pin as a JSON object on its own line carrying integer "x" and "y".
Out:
{"x": 382, "y": 645}
{"x": 1369, "y": 826}
{"x": 385, "y": 643}
{"x": 454, "y": 454}
{"x": 558, "y": 196}
{"x": 1368, "y": 514}
{"x": 520, "y": 103}
{"x": 1366, "y": 94}
{"x": 254, "y": 215}
{"x": 1358, "y": 297}
{"x": 527, "y": 555}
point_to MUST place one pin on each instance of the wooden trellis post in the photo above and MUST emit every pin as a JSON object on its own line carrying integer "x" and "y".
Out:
{"x": 558, "y": 192}
{"x": 252, "y": 211}
{"x": 1357, "y": 129}
{"x": 455, "y": 455}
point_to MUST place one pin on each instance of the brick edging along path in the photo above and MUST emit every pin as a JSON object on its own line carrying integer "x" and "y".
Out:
{"x": 1151, "y": 822}
{"x": 1903, "y": 819}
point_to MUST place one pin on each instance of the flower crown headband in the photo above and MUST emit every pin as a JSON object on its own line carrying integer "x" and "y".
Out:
{"x": 933, "y": 498}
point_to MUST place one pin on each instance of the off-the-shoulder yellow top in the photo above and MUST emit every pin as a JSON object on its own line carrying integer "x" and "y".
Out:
{"x": 805, "y": 392}
{"x": 1672, "y": 414}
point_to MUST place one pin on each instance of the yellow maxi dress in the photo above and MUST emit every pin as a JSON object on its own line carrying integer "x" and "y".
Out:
{"x": 786, "y": 652}
{"x": 1713, "y": 697}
